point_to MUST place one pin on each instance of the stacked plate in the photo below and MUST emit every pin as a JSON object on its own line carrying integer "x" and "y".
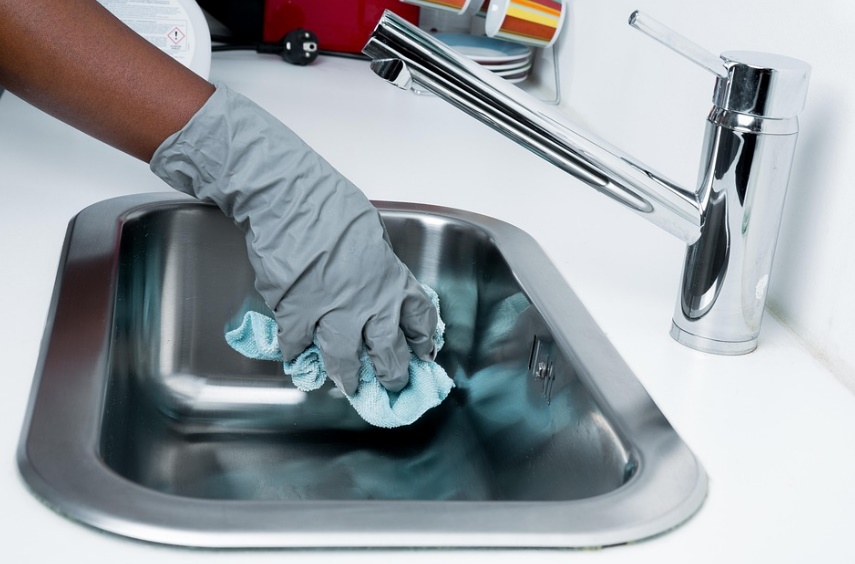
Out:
{"x": 512, "y": 61}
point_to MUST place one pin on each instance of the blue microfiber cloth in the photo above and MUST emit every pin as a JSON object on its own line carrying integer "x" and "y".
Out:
{"x": 428, "y": 386}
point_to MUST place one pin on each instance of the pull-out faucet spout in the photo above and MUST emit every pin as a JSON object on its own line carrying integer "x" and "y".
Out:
{"x": 729, "y": 222}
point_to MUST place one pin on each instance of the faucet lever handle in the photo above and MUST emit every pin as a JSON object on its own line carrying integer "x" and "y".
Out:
{"x": 678, "y": 43}
{"x": 757, "y": 84}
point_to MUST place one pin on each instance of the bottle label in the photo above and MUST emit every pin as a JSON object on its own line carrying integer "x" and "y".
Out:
{"x": 164, "y": 23}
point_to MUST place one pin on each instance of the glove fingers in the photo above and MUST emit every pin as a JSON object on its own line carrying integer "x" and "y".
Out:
{"x": 388, "y": 349}
{"x": 295, "y": 335}
{"x": 340, "y": 350}
{"x": 418, "y": 321}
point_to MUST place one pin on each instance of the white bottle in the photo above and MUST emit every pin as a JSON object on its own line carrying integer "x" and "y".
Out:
{"x": 177, "y": 27}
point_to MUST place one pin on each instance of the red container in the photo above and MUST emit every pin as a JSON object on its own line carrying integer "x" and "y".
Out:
{"x": 341, "y": 25}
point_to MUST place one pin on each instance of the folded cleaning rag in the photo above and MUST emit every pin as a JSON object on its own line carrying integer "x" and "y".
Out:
{"x": 428, "y": 386}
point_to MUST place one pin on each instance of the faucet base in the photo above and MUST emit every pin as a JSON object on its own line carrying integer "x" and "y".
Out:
{"x": 707, "y": 345}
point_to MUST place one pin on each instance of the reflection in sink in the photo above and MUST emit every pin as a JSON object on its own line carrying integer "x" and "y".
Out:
{"x": 145, "y": 423}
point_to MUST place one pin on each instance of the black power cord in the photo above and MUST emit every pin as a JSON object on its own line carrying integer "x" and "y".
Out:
{"x": 229, "y": 44}
{"x": 298, "y": 47}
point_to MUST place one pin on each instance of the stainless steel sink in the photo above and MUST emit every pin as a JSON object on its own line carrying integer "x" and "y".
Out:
{"x": 143, "y": 422}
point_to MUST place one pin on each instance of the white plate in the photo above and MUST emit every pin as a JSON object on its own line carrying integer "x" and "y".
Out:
{"x": 496, "y": 67}
{"x": 516, "y": 79}
{"x": 513, "y": 71}
{"x": 486, "y": 50}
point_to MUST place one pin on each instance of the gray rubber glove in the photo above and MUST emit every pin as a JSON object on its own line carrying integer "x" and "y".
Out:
{"x": 315, "y": 242}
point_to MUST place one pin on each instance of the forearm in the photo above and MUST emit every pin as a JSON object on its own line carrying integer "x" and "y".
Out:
{"x": 77, "y": 62}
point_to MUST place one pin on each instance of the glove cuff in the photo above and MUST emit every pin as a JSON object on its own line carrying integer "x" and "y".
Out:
{"x": 216, "y": 156}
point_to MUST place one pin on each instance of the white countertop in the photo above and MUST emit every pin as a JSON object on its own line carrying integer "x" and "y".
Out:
{"x": 774, "y": 429}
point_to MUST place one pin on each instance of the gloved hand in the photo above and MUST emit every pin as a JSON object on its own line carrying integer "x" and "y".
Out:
{"x": 315, "y": 242}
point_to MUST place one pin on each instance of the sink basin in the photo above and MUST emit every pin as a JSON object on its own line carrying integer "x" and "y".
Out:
{"x": 143, "y": 422}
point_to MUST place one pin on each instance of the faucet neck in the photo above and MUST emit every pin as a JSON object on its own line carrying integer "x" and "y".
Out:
{"x": 730, "y": 223}
{"x": 406, "y": 57}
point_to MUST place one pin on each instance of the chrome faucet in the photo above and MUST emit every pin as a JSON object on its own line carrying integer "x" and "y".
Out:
{"x": 729, "y": 222}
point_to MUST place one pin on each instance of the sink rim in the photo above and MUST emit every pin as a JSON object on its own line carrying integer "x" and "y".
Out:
{"x": 58, "y": 450}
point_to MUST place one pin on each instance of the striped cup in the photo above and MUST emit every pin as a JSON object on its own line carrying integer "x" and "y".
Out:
{"x": 533, "y": 22}
{"x": 456, "y": 6}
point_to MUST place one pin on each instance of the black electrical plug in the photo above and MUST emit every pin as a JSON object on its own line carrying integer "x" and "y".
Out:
{"x": 300, "y": 47}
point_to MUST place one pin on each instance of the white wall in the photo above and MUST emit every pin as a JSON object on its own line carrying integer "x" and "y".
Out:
{"x": 653, "y": 103}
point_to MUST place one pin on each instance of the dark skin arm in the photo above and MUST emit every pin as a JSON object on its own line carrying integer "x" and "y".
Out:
{"x": 74, "y": 60}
